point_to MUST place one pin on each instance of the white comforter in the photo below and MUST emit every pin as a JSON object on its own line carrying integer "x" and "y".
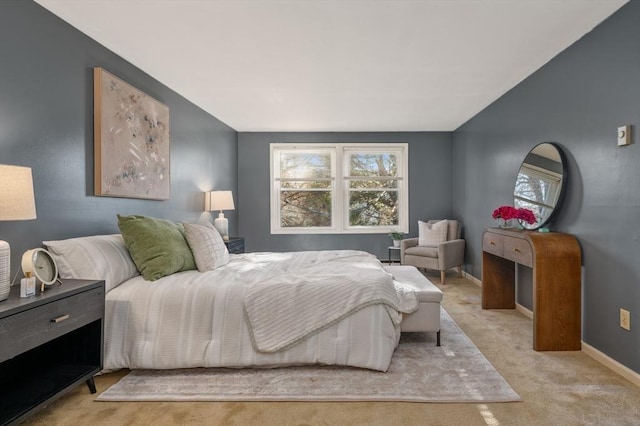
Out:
{"x": 194, "y": 319}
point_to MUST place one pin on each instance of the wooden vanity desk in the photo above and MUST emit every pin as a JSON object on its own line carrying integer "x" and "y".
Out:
{"x": 556, "y": 260}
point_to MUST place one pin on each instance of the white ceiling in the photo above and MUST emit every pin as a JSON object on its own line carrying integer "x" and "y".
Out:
{"x": 330, "y": 65}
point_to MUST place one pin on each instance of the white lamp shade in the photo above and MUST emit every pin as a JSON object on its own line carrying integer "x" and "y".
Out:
{"x": 16, "y": 203}
{"x": 219, "y": 200}
{"x": 16, "y": 193}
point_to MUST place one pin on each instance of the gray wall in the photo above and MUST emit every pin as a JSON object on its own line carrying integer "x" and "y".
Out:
{"x": 429, "y": 188}
{"x": 46, "y": 122}
{"x": 577, "y": 100}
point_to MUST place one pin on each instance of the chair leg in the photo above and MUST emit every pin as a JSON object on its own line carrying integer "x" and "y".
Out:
{"x": 460, "y": 271}
{"x": 438, "y": 338}
{"x": 442, "y": 276}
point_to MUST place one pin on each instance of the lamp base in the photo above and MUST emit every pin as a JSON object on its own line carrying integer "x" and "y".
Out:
{"x": 5, "y": 266}
{"x": 222, "y": 225}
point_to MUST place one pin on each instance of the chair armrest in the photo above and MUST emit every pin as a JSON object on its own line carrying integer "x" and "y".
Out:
{"x": 405, "y": 244}
{"x": 450, "y": 254}
{"x": 408, "y": 242}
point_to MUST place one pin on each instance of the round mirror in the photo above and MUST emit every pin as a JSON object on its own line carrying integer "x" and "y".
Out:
{"x": 540, "y": 183}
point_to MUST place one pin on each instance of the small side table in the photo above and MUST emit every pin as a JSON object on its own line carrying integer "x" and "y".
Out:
{"x": 391, "y": 260}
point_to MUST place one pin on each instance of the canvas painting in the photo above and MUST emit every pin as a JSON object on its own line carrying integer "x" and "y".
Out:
{"x": 131, "y": 141}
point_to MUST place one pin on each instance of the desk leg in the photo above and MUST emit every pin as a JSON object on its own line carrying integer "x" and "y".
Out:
{"x": 498, "y": 282}
{"x": 557, "y": 305}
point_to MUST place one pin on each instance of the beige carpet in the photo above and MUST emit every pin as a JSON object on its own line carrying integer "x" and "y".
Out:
{"x": 420, "y": 372}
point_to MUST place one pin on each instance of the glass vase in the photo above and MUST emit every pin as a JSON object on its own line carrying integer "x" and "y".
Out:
{"x": 505, "y": 223}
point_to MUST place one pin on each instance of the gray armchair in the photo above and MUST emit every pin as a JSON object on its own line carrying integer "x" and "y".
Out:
{"x": 446, "y": 256}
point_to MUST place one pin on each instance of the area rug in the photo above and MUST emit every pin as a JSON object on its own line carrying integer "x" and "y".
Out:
{"x": 420, "y": 371}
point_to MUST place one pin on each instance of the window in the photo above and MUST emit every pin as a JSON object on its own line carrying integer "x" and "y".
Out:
{"x": 339, "y": 188}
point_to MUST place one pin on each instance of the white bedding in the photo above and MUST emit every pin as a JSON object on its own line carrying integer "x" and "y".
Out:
{"x": 193, "y": 319}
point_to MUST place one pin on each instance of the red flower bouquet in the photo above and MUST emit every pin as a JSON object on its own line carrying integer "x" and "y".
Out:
{"x": 506, "y": 213}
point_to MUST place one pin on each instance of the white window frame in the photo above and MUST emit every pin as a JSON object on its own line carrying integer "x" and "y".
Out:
{"x": 340, "y": 187}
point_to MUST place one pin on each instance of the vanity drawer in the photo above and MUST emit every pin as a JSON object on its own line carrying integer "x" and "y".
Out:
{"x": 518, "y": 250}
{"x": 493, "y": 243}
{"x": 33, "y": 327}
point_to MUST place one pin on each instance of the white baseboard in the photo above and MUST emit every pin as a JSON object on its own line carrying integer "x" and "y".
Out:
{"x": 472, "y": 278}
{"x": 524, "y": 311}
{"x": 612, "y": 364}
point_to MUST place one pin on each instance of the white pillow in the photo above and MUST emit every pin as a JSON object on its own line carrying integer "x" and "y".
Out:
{"x": 432, "y": 234}
{"x": 208, "y": 248}
{"x": 98, "y": 257}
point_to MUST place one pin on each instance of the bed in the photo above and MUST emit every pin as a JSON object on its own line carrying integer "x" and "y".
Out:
{"x": 335, "y": 307}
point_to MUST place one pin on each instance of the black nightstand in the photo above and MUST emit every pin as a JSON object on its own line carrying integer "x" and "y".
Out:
{"x": 49, "y": 343}
{"x": 235, "y": 245}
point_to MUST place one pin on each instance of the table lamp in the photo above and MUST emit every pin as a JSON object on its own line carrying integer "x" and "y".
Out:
{"x": 16, "y": 203}
{"x": 220, "y": 200}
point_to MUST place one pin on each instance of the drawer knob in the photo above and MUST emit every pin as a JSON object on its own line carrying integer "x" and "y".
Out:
{"x": 60, "y": 318}
{"x": 492, "y": 243}
{"x": 516, "y": 250}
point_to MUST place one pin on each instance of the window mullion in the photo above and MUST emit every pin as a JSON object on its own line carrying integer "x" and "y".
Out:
{"x": 339, "y": 206}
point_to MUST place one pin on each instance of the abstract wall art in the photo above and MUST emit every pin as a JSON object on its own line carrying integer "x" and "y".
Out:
{"x": 131, "y": 141}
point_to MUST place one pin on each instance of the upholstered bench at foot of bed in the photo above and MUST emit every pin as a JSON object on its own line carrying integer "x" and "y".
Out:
{"x": 427, "y": 316}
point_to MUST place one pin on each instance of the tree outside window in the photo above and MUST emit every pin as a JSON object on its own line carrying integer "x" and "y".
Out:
{"x": 306, "y": 186}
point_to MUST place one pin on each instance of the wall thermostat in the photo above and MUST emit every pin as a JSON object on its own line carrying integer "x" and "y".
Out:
{"x": 624, "y": 135}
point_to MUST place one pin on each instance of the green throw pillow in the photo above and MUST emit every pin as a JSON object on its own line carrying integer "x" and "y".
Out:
{"x": 157, "y": 246}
